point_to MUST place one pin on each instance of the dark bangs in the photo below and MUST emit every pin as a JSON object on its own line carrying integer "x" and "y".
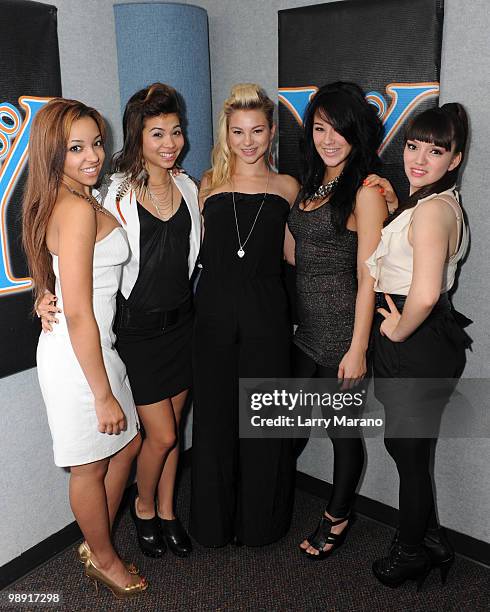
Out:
{"x": 446, "y": 127}
{"x": 338, "y": 111}
{"x": 434, "y": 126}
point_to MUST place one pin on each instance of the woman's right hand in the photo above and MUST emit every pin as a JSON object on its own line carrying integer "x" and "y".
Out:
{"x": 110, "y": 415}
{"x": 385, "y": 188}
{"x": 46, "y": 309}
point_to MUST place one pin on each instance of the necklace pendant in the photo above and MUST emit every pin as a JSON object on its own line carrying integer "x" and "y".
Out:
{"x": 240, "y": 252}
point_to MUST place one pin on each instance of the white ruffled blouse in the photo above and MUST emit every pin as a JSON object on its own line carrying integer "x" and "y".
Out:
{"x": 391, "y": 264}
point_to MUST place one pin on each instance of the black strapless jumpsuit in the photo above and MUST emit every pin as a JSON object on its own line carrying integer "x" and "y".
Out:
{"x": 240, "y": 487}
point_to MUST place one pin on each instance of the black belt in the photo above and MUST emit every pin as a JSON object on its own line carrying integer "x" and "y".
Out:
{"x": 149, "y": 320}
{"x": 442, "y": 305}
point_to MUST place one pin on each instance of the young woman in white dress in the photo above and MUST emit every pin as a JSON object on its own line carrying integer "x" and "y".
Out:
{"x": 76, "y": 248}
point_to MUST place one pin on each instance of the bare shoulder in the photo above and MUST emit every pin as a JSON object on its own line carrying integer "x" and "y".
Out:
{"x": 370, "y": 202}
{"x": 73, "y": 212}
{"x": 369, "y": 197}
{"x": 205, "y": 190}
{"x": 435, "y": 210}
{"x": 286, "y": 186}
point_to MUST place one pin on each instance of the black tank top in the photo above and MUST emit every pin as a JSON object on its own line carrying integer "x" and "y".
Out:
{"x": 163, "y": 279}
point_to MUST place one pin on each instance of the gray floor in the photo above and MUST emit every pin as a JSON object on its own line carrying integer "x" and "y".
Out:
{"x": 272, "y": 578}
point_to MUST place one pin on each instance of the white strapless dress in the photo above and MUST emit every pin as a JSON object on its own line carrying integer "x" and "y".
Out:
{"x": 67, "y": 395}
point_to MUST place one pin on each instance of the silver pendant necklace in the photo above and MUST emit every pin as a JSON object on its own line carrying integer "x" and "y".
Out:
{"x": 241, "y": 245}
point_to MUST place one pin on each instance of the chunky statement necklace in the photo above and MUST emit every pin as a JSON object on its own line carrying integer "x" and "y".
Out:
{"x": 241, "y": 245}
{"x": 96, "y": 205}
{"x": 325, "y": 190}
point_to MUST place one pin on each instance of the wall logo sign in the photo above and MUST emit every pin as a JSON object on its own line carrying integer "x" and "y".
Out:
{"x": 403, "y": 99}
{"x": 14, "y": 141}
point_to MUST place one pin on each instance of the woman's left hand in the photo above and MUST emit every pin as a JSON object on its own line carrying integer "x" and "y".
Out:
{"x": 391, "y": 319}
{"x": 352, "y": 368}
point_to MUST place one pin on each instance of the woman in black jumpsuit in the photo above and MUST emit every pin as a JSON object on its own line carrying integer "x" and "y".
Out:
{"x": 241, "y": 488}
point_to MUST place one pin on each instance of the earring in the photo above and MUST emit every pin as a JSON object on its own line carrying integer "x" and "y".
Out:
{"x": 271, "y": 157}
{"x": 142, "y": 177}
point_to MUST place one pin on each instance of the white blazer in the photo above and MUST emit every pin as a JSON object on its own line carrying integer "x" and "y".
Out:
{"x": 126, "y": 212}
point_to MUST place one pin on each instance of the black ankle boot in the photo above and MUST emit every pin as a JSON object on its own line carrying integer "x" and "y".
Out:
{"x": 176, "y": 537}
{"x": 438, "y": 548}
{"x": 150, "y": 538}
{"x": 404, "y": 562}
{"x": 440, "y": 551}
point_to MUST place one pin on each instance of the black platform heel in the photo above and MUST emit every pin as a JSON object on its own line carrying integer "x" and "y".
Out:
{"x": 404, "y": 562}
{"x": 323, "y": 535}
{"x": 438, "y": 548}
{"x": 440, "y": 551}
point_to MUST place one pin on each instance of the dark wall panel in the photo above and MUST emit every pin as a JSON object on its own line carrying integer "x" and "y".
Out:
{"x": 29, "y": 76}
{"x": 390, "y": 48}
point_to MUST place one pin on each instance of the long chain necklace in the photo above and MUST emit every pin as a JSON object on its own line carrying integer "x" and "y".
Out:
{"x": 241, "y": 250}
{"x": 96, "y": 205}
{"x": 158, "y": 204}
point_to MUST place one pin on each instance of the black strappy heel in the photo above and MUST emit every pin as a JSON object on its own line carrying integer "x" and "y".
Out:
{"x": 323, "y": 535}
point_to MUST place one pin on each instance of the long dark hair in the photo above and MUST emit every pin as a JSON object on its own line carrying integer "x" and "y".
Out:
{"x": 344, "y": 106}
{"x": 47, "y": 152}
{"x": 154, "y": 100}
{"x": 446, "y": 127}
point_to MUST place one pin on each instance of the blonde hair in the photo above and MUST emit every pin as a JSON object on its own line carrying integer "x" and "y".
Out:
{"x": 243, "y": 96}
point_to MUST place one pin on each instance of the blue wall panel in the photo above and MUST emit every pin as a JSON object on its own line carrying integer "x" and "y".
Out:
{"x": 169, "y": 42}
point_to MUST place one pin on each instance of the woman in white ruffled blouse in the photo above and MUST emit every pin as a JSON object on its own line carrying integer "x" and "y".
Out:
{"x": 419, "y": 345}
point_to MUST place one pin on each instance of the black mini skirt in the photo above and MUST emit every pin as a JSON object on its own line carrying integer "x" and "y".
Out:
{"x": 158, "y": 363}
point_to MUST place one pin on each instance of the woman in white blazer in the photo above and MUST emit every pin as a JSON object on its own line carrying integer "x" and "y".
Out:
{"x": 159, "y": 211}
{"x": 126, "y": 213}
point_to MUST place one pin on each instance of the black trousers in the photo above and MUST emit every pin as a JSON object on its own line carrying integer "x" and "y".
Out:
{"x": 240, "y": 487}
{"x": 348, "y": 451}
{"x": 414, "y": 380}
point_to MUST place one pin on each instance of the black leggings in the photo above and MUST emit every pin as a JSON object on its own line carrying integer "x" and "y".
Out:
{"x": 416, "y": 498}
{"x": 348, "y": 452}
{"x": 403, "y": 373}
